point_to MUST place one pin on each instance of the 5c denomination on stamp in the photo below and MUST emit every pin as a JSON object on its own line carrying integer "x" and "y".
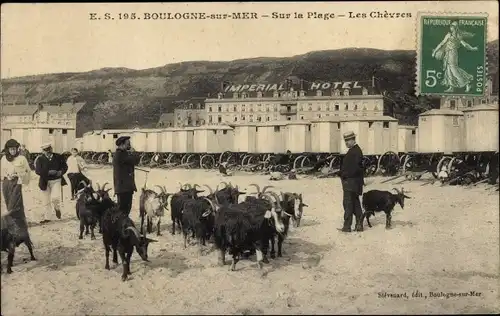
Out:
{"x": 451, "y": 54}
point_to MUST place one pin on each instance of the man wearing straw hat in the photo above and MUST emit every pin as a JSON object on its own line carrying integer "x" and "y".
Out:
{"x": 352, "y": 176}
{"x": 51, "y": 167}
{"x": 124, "y": 163}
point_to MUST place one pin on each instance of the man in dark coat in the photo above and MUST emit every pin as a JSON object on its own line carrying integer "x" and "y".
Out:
{"x": 124, "y": 162}
{"x": 51, "y": 167}
{"x": 352, "y": 176}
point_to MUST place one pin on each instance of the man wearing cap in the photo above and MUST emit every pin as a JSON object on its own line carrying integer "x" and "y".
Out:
{"x": 352, "y": 176}
{"x": 124, "y": 163}
{"x": 51, "y": 167}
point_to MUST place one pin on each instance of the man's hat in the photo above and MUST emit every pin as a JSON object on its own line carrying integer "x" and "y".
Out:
{"x": 46, "y": 146}
{"x": 349, "y": 135}
{"x": 121, "y": 140}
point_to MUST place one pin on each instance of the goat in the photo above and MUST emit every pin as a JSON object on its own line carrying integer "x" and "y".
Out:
{"x": 152, "y": 205}
{"x": 177, "y": 204}
{"x": 10, "y": 241}
{"x": 198, "y": 217}
{"x": 227, "y": 195}
{"x": 120, "y": 234}
{"x": 378, "y": 201}
{"x": 88, "y": 210}
{"x": 292, "y": 206}
{"x": 243, "y": 226}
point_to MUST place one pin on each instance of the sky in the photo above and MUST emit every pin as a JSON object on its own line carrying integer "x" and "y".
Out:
{"x": 52, "y": 38}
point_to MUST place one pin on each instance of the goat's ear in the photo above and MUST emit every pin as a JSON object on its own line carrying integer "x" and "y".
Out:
{"x": 406, "y": 196}
{"x": 268, "y": 214}
{"x": 304, "y": 205}
{"x": 206, "y": 213}
{"x": 150, "y": 240}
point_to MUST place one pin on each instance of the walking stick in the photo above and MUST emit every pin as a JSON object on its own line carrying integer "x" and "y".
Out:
{"x": 147, "y": 172}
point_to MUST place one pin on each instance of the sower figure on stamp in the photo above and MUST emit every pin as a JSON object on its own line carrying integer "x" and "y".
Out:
{"x": 352, "y": 176}
{"x": 51, "y": 167}
{"x": 15, "y": 172}
{"x": 124, "y": 163}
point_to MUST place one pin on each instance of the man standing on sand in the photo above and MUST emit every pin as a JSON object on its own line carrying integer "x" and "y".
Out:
{"x": 124, "y": 162}
{"x": 76, "y": 166}
{"x": 51, "y": 167}
{"x": 352, "y": 176}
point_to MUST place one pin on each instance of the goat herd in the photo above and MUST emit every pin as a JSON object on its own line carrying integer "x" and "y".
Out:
{"x": 240, "y": 228}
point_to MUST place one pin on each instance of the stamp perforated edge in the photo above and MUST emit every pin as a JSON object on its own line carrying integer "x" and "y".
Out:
{"x": 418, "y": 31}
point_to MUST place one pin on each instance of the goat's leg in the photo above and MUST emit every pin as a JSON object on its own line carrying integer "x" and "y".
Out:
{"x": 87, "y": 229}
{"x": 106, "y": 247}
{"x": 367, "y": 215}
{"x": 388, "y": 218}
{"x": 10, "y": 257}
{"x": 263, "y": 246}
{"x": 222, "y": 257}
{"x": 115, "y": 255}
{"x": 173, "y": 226}
{"x": 149, "y": 225}
{"x": 273, "y": 252}
{"x": 280, "y": 245}
{"x": 125, "y": 264}
{"x": 82, "y": 227}
{"x": 235, "y": 260}
{"x": 29, "y": 245}
{"x": 100, "y": 225}
{"x": 185, "y": 234}
{"x": 129, "y": 255}
{"x": 142, "y": 223}
{"x": 92, "y": 228}
{"x": 158, "y": 227}
{"x": 260, "y": 257}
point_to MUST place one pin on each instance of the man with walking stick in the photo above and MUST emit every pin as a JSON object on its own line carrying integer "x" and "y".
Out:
{"x": 124, "y": 162}
{"x": 352, "y": 176}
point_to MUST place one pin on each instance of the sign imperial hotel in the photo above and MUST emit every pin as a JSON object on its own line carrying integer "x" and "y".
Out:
{"x": 292, "y": 100}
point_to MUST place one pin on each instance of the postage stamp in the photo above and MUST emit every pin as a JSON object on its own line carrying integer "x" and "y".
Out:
{"x": 451, "y": 54}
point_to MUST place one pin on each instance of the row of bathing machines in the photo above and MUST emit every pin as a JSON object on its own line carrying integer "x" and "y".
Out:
{"x": 443, "y": 139}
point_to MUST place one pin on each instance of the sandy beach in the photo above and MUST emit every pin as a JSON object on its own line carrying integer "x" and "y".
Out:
{"x": 445, "y": 240}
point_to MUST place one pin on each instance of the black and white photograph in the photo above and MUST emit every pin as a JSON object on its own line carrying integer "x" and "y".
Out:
{"x": 250, "y": 158}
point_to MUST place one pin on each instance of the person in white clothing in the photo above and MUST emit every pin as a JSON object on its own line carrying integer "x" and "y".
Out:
{"x": 76, "y": 167}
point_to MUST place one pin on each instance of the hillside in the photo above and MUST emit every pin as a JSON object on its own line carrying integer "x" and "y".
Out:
{"x": 122, "y": 97}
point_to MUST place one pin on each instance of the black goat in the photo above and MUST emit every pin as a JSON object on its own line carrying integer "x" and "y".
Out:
{"x": 227, "y": 195}
{"x": 152, "y": 205}
{"x": 292, "y": 206}
{"x": 378, "y": 201}
{"x": 177, "y": 204}
{"x": 245, "y": 226}
{"x": 88, "y": 210}
{"x": 10, "y": 242}
{"x": 120, "y": 234}
{"x": 198, "y": 217}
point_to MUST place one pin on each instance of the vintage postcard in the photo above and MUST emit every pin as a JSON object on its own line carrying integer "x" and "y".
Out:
{"x": 250, "y": 158}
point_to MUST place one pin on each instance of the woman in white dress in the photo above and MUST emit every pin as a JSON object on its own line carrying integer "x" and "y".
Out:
{"x": 447, "y": 51}
{"x": 15, "y": 172}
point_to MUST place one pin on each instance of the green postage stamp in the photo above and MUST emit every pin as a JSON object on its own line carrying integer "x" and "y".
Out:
{"x": 451, "y": 54}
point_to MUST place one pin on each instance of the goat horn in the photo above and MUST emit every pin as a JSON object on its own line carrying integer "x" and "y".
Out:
{"x": 189, "y": 186}
{"x": 84, "y": 184}
{"x": 196, "y": 186}
{"x": 164, "y": 189}
{"x": 98, "y": 186}
{"x": 215, "y": 197}
{"x": 209, "y": 189}
{"x": 104, "y": 185}
{"x": 211, "y": 203}
{"x": 396, "y": 190}
{"x": 267, "y": 187}
{"x": 273, "y": 194}
{"x": 225, "y": 184}
{"x": 256, "y": 186}
{"x": 134, "y": 230}
{"x": 160, "y": 188}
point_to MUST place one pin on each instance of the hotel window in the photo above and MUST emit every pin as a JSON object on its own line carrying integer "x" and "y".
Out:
{"x": 483, "y": 101}
{"x": 346, "y": 92}
{"x": 219, "y": 108}
{"x": 376, "y": 108}
{"x": 65, "y": 131}
{"x": 259, "y": 118}
{"x": 243, "y": 108}
{"x": 235, "y": 95}
{"x": 319, "y": 107}
{"x": 259, "y": 107}
{"x": 268, "y": 118}
{"x": 275, "y": 108}
{"x": 243, "y": 95}
{"x": 259, "y": 94}
{"x": 455, "y": 121}
{"x": 328, "y": 107}
{"x": 386, "y": 124}
{"x": 235, "y": 119}
{"x": 337, "y": 92}
{"x": 251, "y": 107}
{"x": 51, "y": 131}
{"x": 243, "y": 117}
{"x": 469, "y": 103}
{"x": 234, "y": 108}
{"x": 275, "y": 94}
{"x": 336, "y": 107}
{"x": 294, "y": 94}
{"x": 319, "y": 93}
{"x": 319, "y": 115}
{"x": 275, "y": 117}
{"x": 276, "y": 128}
{"x": 370, "y": 124}
{"x": 209, "y": 109}
{"x": 365, "y": 91}
{"x": 453, "y": 105}
{"x": 346, "y": 106}
{"x": 302, "y": 93}
{"x": 355, "y": 107}
{"x": 302, "y": 117}
{"x": 310, "y": 108}
{"x": 210, "y": 118}
{"x": 364, "y": 106}
{"x": 251, "y": 118}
